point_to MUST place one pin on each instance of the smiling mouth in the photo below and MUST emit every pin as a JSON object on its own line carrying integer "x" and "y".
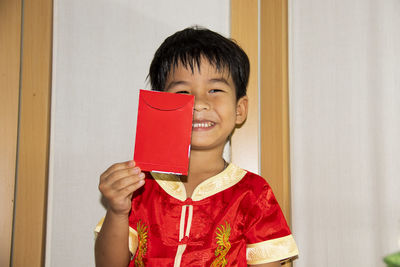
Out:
{"x": 198, "y": 125}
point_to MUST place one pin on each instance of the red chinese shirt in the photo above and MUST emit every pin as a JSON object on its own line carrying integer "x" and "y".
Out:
{"x": 232, "y": 219}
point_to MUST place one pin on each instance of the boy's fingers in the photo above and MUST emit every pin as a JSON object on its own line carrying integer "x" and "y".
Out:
{"x": 128, "y": 190}
{"x": 121, "y": 174}
{"x": 127, "y": 181}
{"x": 119, "y": 166}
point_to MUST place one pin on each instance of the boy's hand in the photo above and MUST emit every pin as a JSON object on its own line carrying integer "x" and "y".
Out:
{"x": 117, "y": 185}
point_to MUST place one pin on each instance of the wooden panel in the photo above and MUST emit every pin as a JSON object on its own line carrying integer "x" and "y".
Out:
{"x": 244, "y": 29}
{"x": 29, "y": 227}
{"x": 274, "y": 100}
{"x": 273, "y": 131}
{"x": 273, "y": 112}
{"x": 10, "y": 32}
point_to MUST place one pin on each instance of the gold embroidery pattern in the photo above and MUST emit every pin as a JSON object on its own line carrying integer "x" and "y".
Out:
{"x": 223, "y": 245}
{"x": 142, "y": 247}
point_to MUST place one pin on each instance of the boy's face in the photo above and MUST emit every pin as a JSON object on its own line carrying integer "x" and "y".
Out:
{"x": 216, "y": 110}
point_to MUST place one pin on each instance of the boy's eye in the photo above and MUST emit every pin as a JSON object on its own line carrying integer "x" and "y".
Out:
{"x": 215, "y": 90}
{"x": 182, "y": 92}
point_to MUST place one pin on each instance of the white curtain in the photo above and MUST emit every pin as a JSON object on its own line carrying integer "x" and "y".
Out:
{"x": 101, "y": 55}
{"x": 345, "y": 130}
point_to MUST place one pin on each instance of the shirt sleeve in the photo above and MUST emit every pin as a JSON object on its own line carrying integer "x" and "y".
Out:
{"x": 268, "y": 236}
{"x": 133, "y": 237}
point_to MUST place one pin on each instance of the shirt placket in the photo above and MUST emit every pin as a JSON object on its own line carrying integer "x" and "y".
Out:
{"x": 184, "y": 230}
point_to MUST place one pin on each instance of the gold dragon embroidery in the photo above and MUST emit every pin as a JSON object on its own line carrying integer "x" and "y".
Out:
{"x": 223, "y": 245}
{"x": 142, "y": 246}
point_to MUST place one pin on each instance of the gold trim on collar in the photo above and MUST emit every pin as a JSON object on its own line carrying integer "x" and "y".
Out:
{"x": 279, "y": 249}
{"x": 174, "y": 187}
{"x": 171, "y": 184}
{"x": 225, "y": 179}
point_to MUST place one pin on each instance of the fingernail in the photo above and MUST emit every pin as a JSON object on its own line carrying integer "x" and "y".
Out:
{"x": 141, "y": 175}
{"x": 130, "y": 163}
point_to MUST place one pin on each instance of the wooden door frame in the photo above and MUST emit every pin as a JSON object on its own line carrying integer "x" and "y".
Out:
{"x": 10, "y": 55}
{"x": 29, "y": 93}
{"x": 261, "y": 28}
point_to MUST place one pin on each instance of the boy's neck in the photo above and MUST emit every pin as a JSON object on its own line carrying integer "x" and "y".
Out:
{"x": 203, "y": 165}
{"x": 205, "y": 161}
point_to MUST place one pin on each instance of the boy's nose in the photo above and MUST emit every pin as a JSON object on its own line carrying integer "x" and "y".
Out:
{"x": 201, "y": 104}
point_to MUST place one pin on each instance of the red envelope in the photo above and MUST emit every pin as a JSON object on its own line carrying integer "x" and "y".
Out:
{"x": 163, "y": 132}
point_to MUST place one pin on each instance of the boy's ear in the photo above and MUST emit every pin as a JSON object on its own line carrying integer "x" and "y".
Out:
{"x": 241, "y": 109}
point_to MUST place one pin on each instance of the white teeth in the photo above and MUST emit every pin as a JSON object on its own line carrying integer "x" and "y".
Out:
{"x": 202, "y": 124}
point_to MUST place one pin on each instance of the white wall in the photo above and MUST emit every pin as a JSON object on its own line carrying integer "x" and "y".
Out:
{"x": 102, "y": 52}
{"x": 345, "y": 129}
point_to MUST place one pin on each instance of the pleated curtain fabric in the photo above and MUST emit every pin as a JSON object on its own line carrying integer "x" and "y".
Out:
{"x": 345, "y": 130}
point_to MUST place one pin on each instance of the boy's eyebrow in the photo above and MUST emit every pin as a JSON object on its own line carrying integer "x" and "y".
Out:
{"x": 180, "y": 82}
{"x": 174, "y": 83}
{"x": 217, "y": 80}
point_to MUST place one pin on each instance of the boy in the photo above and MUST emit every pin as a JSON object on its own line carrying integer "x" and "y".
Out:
{"x": 217, "y": 215}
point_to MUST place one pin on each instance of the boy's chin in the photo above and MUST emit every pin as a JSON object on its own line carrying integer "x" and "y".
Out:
{"x": 206, "y": 147}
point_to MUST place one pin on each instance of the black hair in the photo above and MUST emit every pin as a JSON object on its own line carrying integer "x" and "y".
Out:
{"x": 189, "y": 46}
